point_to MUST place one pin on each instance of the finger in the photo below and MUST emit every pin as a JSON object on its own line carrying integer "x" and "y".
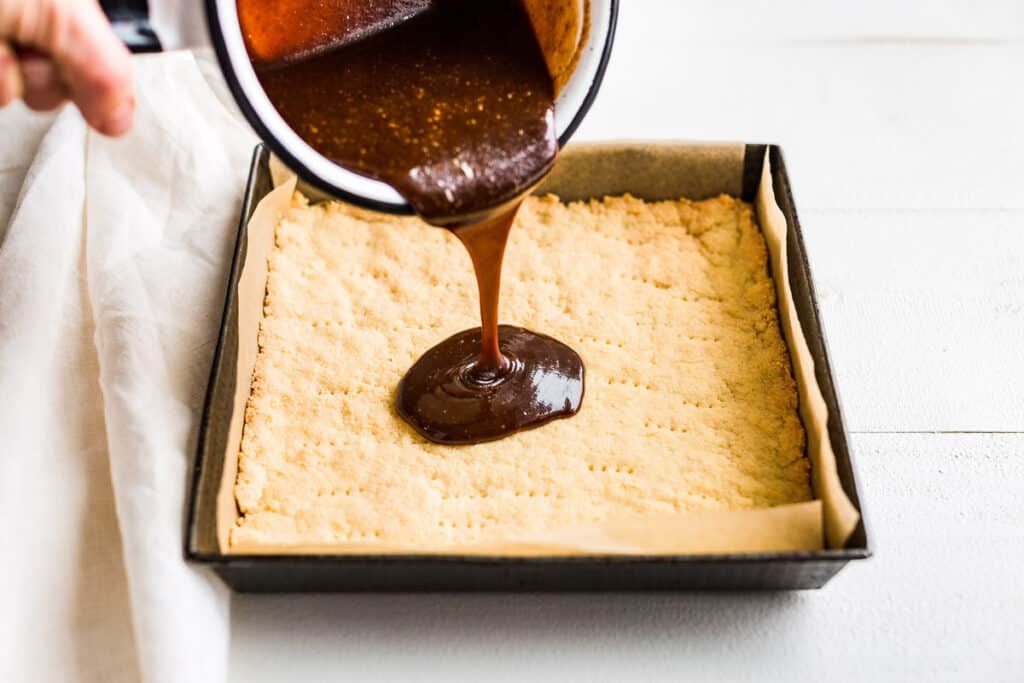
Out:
{"x": 44, "y": 89}
{"x": 96, "y": 67}
{"x": 10, "y": 75}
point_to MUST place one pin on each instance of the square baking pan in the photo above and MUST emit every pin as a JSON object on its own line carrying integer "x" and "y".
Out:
{"x": 689, "y": 170}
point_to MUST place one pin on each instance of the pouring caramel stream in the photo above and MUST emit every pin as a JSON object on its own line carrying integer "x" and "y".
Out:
{"x": 452, "y": 107}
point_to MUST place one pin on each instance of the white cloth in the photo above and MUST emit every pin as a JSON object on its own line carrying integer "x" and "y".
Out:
{"x": 112, "y": 275}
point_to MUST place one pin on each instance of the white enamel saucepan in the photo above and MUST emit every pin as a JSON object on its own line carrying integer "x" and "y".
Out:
{"x": 168, "y": 24}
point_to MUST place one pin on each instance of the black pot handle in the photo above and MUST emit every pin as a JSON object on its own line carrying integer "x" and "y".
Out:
{"x": 130, "y": 19}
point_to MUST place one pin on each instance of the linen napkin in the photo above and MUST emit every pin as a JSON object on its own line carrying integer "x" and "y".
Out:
{"x": 112, "y": 275}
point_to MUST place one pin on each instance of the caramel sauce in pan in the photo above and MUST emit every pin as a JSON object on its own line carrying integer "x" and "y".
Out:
{"x": 454, "y": 108}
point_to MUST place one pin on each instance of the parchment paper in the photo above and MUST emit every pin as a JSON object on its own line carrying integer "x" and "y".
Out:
{"x": 804, "y": 526}
{"x": 840, "y": 516}
{"x": 252, "y": 287}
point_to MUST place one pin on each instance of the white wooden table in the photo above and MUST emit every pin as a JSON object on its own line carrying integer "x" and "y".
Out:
{"x": 903, "y": 128}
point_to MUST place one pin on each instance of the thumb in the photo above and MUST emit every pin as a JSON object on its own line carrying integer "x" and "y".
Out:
{"x": 92, "y": 62}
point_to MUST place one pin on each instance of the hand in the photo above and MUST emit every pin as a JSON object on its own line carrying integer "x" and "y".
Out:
{"x": 55, "y": 50}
